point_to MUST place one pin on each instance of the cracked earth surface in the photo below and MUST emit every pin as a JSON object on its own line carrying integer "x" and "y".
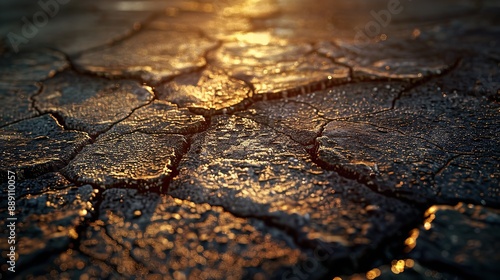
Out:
{"x": 253, "y": 140}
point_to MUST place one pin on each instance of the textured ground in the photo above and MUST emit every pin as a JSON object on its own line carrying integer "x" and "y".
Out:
{"x": 255, "y": 139}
